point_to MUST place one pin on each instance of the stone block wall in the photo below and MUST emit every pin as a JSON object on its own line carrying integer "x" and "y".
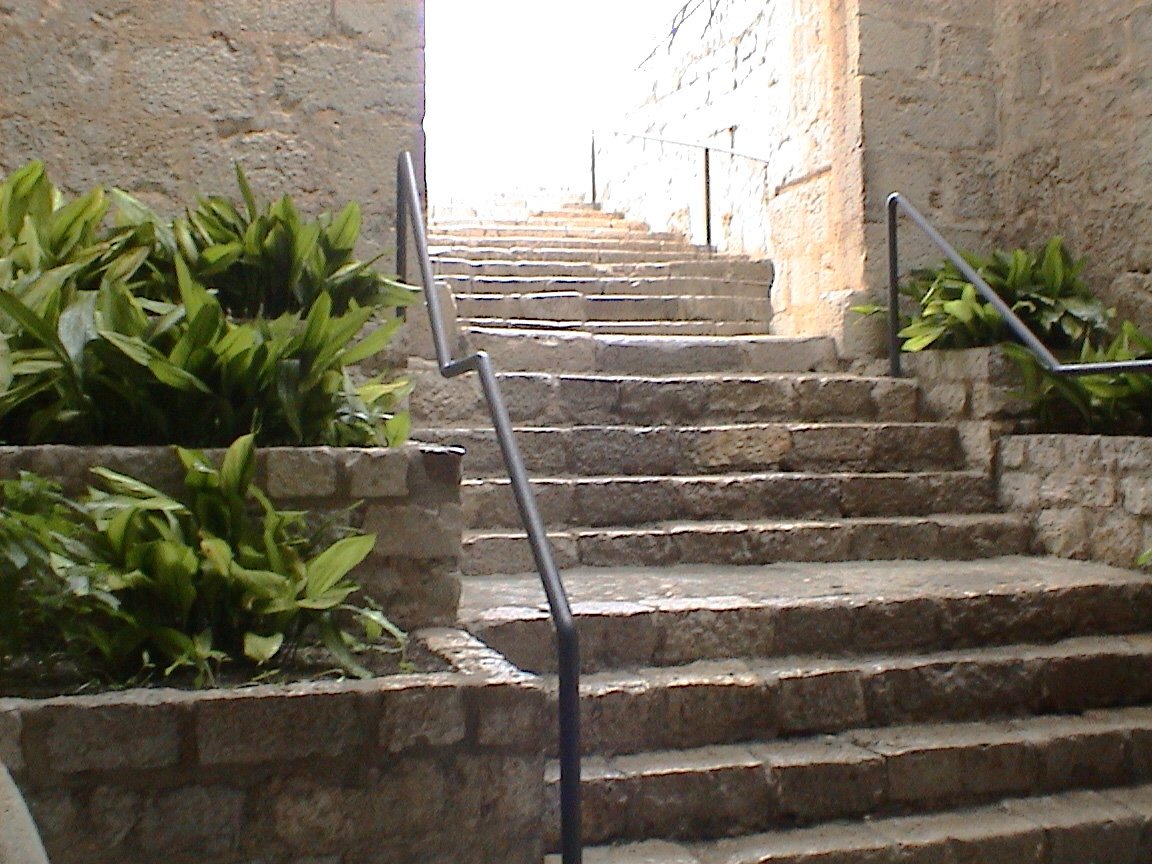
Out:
{"x": 1088, "y": 496}
{"x": 408, "y": 496}
{"x": 1076, "y": 137}
{"x": 774, "y": 82}
{"x": 929, "y": 102}
{"x": 1005, "y": 122}
{"x": 312, "y": 97}
{"x": 433, "y": 767}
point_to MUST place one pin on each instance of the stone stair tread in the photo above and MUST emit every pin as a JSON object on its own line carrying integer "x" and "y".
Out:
{"x": 756, "y": 541}
{"x": 1078, "y": 827}
{"x": 724, "y": 525}
{"x": 636, "y": 325}
{"x": 919, "y": 770}
{"x": 655, "y": 339}
{"x": 598, "y": 500}
{"x": 718, "y": 479}
{"x": 883, "y": 742}
{"x": 711, "y": 587}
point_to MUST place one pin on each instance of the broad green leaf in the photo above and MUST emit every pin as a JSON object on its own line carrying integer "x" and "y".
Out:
{"x": 334, "y": 563}
{"x": 239, "y": 466}
{"x": 261, "y": 649}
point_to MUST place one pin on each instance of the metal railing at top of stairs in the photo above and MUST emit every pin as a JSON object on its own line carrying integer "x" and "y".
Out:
{"x": 896, "y": 203}
{"x": 707, "y": 149}
{"x": 409, "y": 215}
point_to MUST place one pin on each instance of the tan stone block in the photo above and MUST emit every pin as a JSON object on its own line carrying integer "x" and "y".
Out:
{"x": 817, "y": 780}
{"x": 195, "y": 820}
{"x": 896, "y": 44}
{"x": 1063, "y": 532}
{"x": 421, "y": 717}
{"x": 377, "y": 472}
{"x": 134, "y": 729}
{"x": 412, "y": 531}
{"x": 270, "y": 724}
{"x": 300, "y": 472}
{"x": 1137, "y": 495}
{"x": 820, "y": 701}
{"x": 511, "y": 716}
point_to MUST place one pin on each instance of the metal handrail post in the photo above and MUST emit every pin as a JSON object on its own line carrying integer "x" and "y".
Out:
{"x": 593, "y": 169}
{"x": 893, "y": 289}
{"x": 567, "y": 638}
{"x": 1019, "y": 329}
{"x": 708, "y": 197}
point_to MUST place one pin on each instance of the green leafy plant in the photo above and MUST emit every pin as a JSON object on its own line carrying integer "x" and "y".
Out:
{"x": 267, "y": 260}
{"x": 109, "y": 337}
{"x": 1042, "y": 287}
{"x": 130, "y": 579}
{"x": 1109, "y": 403}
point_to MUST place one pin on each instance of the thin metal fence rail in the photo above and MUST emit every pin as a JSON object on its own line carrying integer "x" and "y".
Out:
{"x": 410, "y": 217}
{"x": 896, "y": 203}
{"x": 707, "y": 150}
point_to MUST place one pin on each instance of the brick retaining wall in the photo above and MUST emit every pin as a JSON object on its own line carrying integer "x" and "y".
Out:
{"x": 434, "y": 767}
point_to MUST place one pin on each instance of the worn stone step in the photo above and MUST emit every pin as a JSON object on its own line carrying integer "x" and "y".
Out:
{"x": 763, "y": 699}
{"x": 939, "y": 535}
{"x": 553, "y": 235}
{"x": 648, "y": 328}
{"x": 567, "y": 222}
{"x": 668, "y": 616}
{"x": 566, "y": 305}
{"x": 711, "y": 449}
{"x": 726, "y": 790}
{"x": 596, "y": 253}
{"x": 598, "y": 285}
{"x": 541, "y": 398}
{"x": 528, "y": 350}
{"x": 760, "y": 273}
{"x": 1111, "y": 826}
{"x": 637, "y": 500}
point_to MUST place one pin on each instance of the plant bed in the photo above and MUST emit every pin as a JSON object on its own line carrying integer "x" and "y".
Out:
{"x": 435, "y": 766}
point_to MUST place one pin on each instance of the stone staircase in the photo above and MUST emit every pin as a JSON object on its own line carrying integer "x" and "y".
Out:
{"x": 771, "y": 674}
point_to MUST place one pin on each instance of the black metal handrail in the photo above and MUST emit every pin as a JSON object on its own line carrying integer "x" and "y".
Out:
{"x": 409, "y": 214}
{"x": 896, "y": 203}
{"x": 707, "y": 149}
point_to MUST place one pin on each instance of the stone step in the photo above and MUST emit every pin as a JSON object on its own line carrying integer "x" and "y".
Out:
{"x": 573, "y": 220}
{"x": 644, "y": 243}
{"x": 540, "y": 398}
{"x": 640, "y": 500}
{"x": 575, "y": 306}
{"x": 938, "y": 535}
{"x": 642, "y": 328}
{"x": 690, "y": 450}
{"x": 709, "y": 703}
{"x": 527, "y": 350}
{"x": 727, "y": 268}
{"x": 669, "y": 616}
{"x": 1110, "y": 826}
{"x": 597, "y": 285}
{"x": 726, "y": 790}
{"x": 587, "y": 253}
{"x": 574, "y": 237}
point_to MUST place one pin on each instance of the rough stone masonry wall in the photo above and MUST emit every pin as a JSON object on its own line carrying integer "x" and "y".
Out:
{"x": 1088, "y": 496}
{"x": 408, "y": 496}
{"x": 423, "y": 768}
{"x": 929, "y": 123}
{"x": 1076, "y": 129}
{"x": 777, "y": 81}
{"x": 313, "y": 97}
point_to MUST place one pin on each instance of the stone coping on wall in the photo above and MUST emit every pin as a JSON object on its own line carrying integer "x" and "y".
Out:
{"x": 1088, "y": 496}
{"x": 409, "y": 496}
{"x": 442, "y": 766}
